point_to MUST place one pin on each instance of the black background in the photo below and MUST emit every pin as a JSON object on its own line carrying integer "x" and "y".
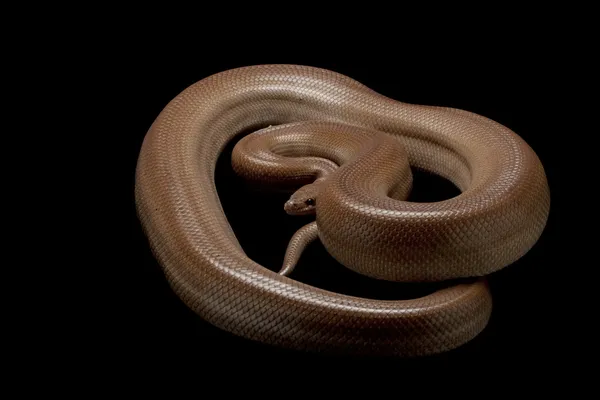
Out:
{"x": 148, "y": 325}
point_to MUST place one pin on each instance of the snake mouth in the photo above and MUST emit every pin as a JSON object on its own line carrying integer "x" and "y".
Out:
{"x": 294, "y": 208}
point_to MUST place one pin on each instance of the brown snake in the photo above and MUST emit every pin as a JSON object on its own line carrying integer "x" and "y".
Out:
{"x": 358, "y": 146}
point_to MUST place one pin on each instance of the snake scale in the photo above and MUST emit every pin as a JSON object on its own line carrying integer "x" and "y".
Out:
{"x": 347, "y": 150}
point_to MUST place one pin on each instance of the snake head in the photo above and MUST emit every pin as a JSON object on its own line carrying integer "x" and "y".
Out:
{"x": 303, "y": 201}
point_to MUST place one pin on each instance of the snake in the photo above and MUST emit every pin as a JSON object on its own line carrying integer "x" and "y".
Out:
{"x": 345, "y": 153}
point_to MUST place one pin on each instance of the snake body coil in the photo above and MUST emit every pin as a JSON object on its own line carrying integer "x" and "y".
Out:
{"x": 361, "y": 216}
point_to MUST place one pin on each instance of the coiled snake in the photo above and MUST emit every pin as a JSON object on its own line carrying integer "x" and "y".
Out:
{"x": 348, "y": 149}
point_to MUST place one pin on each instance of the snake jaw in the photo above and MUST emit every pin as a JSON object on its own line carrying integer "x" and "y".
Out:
{"x": 294, "y": 207}
{"x": 304, "y": 200}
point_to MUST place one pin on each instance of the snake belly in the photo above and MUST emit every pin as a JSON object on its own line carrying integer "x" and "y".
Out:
{"x": 499, "y": 215}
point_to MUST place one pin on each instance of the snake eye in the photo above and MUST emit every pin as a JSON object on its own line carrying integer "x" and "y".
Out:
{"x": 310, "y": 202}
